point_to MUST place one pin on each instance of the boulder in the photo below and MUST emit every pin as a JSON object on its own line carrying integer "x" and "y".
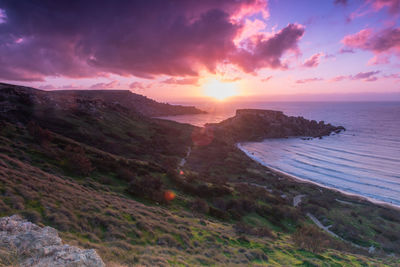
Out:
{"x": 41, "y": 246}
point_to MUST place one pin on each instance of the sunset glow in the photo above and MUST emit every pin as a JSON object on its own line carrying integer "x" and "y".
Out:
{"x": 220, "y": 90}
{"x": 269, "y": 48}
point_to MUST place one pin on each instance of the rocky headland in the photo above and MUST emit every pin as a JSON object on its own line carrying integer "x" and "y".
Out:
{"x": 258, "y": 124}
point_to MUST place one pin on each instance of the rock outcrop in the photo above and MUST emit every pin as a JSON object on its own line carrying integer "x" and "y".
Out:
{"x": 258, "y": 124}
{"x": 37, "y": 246}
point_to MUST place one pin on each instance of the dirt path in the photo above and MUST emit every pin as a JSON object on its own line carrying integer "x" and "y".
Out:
{"x": 325, "y": 228}
{"x": 183, "y": 160}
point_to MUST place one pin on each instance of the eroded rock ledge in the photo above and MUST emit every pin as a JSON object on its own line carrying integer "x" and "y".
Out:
{"x": 23, "y": 243}
{"x": 258, "y": 124}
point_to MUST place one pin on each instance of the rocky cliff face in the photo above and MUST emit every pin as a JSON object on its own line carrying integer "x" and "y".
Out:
{"x": 27, "y": 244}
{"x": 257, "y": 124}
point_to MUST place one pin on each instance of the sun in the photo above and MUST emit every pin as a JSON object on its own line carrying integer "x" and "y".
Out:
{"x": 220, "y": 90}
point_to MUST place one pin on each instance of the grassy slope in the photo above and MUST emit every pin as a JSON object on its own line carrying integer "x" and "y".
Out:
{"x": 245, "y": 224}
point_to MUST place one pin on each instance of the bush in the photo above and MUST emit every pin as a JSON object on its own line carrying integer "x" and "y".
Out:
{"x": 147, "y": 187}
{"x": 78, "y": 162}
{"x": 125, "y": 174}
{"x": 200, "y": 206}
{"x": 310, "y": 238}
{"x": 42, "y": 136}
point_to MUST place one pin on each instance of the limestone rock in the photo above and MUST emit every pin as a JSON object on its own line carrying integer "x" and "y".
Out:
{"x": 41, "y": 246}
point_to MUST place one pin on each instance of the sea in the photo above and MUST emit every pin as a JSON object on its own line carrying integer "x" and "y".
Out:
{"x": 364, "y": 160}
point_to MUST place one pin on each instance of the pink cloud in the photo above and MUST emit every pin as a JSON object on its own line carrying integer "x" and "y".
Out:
{"x": 182, "y": 81}
{"x": 371, "y": 6}
{"x": 309, "y": 80}
{"x": 267, "y": 79}
{"x": 383, "y": 43}
{"x": 392, "y": 5}
{"x": 339, "y": 78}
{"x": 109, "y": 85}
{"x": 313, "y": 61}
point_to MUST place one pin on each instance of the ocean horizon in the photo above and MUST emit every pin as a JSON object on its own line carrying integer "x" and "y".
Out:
{"x": 364, "y": 160}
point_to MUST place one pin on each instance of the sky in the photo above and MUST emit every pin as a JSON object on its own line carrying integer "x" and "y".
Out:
{"x": 186, "y": 49}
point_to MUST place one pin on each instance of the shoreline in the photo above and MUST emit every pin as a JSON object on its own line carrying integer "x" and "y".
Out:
{"x": 302, "y": 180}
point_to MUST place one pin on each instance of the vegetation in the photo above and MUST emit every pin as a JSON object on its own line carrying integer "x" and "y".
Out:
{"x": 101, "y": 179}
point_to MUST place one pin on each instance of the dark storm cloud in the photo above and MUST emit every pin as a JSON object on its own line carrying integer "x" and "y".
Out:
{"x": 40, "y": 38}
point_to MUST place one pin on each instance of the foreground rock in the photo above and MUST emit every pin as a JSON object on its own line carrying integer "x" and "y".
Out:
{"x": 258, "y": 124}
{"x": 32, "y": 245}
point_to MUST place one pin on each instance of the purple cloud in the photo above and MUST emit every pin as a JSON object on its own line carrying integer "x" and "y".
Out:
{"x": 44, "y": 38}
{"x": 366, "y": 76}
{"x": 267, "y": 52}
{"x": 382, "y": 43}
{"x": 313, "y": 61}
{"x": 340, "y": 2}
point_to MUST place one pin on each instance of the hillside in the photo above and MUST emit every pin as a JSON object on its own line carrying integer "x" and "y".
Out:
{"x": 124, "y": 98}
{"x": 102, "y": 174}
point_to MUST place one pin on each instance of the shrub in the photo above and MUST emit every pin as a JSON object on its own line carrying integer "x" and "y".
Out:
{"x": 147, "y": 187}
{"x": 40, "y": 135}
{"x": 200, "y": 206}
{"x": 310, "y": 238}
{"x": 125, "y": 174}
{"x": 78, "y": 162}
{"x": 220, "y": 214}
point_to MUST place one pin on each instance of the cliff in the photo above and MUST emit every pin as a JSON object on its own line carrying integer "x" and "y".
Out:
{"x": 258, "y": 124}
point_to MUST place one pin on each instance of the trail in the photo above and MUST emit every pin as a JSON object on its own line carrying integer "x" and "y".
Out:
{"x": 183, "y": 160}
{"x": 326, "y": 229}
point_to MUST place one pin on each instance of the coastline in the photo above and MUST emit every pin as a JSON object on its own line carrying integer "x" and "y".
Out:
{"x": 302, "y": 180}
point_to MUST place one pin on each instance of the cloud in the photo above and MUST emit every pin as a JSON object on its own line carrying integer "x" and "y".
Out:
{"x": 383, "y": 43}
{"x": 393, "y": 6}
{"x": 138, "y": 86}
{"x": 346, "y": 51}
{"x": 261, "y": 51}
{"x": 183, "y": 81}
{"x": 47, "y": 87}
{"x": 313, "y": 61}
{"x": 267, "y": 79}
{"x": 109, "y": 85}
{"x": 371, "y": 6}
{"x": 339, "y": 78}
{"x": 340, "y": 2}
{"x": 366, "y": 76}
{"x": 309, "y": 80}
{"x": 139, "y": 38}
{"x": 3, "y": 16}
